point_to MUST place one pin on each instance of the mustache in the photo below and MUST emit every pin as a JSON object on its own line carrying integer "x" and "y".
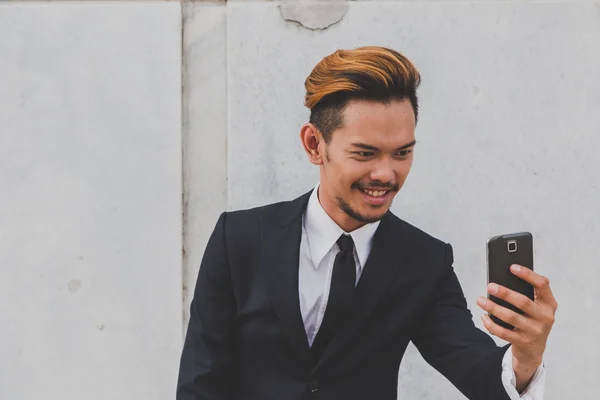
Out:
{"x": 376, "y": 186}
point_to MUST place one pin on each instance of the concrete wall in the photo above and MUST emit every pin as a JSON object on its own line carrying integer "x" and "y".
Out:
{"x": 90, "y": 204}
{"x": 92, "y": 145}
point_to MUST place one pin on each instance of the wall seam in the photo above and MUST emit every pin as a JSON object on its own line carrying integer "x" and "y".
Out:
{"x": 184, "y": 208}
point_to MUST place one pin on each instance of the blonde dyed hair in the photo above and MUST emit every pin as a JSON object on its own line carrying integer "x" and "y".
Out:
{"x": 368, "y": 73}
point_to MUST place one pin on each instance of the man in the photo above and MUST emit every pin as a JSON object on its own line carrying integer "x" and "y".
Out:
{"x": 318, "y": 298}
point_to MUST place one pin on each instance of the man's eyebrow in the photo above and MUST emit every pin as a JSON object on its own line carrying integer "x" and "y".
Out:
{"x": 373, "y": 148}
{"x": 364, "y": 146}
{"x": 407, "y": 145}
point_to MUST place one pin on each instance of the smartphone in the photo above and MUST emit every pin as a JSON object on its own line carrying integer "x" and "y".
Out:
{"x": 502, "y": 252}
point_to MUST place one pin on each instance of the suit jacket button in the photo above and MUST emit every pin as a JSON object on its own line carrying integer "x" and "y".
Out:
{"x": 313, "y": 386}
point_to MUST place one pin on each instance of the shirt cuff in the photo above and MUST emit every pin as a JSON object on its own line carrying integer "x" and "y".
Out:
{"x": 535, "y": 390}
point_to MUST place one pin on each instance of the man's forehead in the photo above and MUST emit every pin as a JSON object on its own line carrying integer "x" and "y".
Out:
{"x": 376, "y": 141}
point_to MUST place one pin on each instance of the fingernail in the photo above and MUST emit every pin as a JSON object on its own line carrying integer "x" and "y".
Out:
{"x": 493, "y": 288}
{"x": 482, "y": 301}
{"x": 516, "y": 268}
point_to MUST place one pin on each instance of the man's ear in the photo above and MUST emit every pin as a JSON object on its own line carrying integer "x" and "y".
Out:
{"x": 313, "y": 143}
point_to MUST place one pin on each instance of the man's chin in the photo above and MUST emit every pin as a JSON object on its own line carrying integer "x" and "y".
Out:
{"x": 370, "y": 214}
{"x": 370, "y": 218}
{"x": 363, "y": 212}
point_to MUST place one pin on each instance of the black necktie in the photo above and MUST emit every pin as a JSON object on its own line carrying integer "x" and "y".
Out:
{"x": 343, "y": 280}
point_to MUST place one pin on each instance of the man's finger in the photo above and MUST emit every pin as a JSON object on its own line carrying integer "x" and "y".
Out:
{"x": 503, "y": 313}
{"x": 501, "y": 332}
{"x": 539, "y": 282}
{"x": 518, "y": 300}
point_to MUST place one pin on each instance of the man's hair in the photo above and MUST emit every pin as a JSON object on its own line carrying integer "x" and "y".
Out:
{"x": 367, "y": 73}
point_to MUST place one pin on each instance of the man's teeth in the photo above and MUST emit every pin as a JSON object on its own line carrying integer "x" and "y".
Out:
{"x": 375, "y": 193}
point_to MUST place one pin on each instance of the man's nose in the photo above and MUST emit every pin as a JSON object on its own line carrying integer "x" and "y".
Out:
{"x": 383, "y": 172}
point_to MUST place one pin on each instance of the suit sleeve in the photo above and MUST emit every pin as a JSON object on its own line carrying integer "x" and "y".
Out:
{"x": 450, "y": 342}
{"x": 207, "y": 358}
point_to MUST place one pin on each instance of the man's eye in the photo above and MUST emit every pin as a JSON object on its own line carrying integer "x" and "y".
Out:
{"x": 364, "y": 153}
{"x": 404, "y": 153}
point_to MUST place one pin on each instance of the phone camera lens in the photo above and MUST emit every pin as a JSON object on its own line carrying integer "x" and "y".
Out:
{"x": 512, "y": 246}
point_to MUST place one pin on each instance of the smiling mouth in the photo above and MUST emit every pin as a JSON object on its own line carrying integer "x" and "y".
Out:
{"x": 375, "y": 193}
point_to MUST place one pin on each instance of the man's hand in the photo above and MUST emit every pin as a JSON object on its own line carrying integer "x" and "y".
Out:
{"x": 531, "y": 331}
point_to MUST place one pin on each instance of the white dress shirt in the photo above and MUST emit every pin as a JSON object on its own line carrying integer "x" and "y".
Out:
{"x": 318, "y": 249}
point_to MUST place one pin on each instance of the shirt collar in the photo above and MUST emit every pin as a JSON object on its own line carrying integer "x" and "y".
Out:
{"x": 322, "y": 233}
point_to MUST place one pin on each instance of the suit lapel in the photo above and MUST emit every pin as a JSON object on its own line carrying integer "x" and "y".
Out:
{"x": 383, "y": 264}
{"x": 281, "y": 234}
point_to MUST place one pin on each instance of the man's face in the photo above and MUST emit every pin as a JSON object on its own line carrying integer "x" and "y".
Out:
{"x": 367, "y": 161}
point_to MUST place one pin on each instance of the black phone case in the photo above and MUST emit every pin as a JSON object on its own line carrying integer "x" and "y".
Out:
{"x": 499, "y": 262}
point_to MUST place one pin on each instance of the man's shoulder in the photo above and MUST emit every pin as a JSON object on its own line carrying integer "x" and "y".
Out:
{"x": 243, "y": 227}
{"x": 415, "y": 233}
{"x": 421, "y": 246}
{"x": 271, "y": 211}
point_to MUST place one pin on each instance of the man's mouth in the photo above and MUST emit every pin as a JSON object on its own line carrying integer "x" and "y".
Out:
{"x": 375, "y": 197}
{"x": 375, "y": 193}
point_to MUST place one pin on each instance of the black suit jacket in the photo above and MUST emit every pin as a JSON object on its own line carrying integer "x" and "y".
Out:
{"x": 246, "y": 339}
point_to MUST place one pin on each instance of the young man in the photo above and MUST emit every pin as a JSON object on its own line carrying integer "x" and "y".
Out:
{"x": 318, "y": 297}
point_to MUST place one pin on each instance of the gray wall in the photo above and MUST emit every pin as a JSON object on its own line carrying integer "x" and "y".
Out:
{"x": 90, "y": 204}
{"x": 93, "y": 298}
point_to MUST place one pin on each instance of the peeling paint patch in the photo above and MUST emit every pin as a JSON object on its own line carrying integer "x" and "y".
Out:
{"x": 314, "y": 15}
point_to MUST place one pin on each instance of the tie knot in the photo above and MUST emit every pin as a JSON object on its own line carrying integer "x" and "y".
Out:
{"x": 346, "y": 243}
